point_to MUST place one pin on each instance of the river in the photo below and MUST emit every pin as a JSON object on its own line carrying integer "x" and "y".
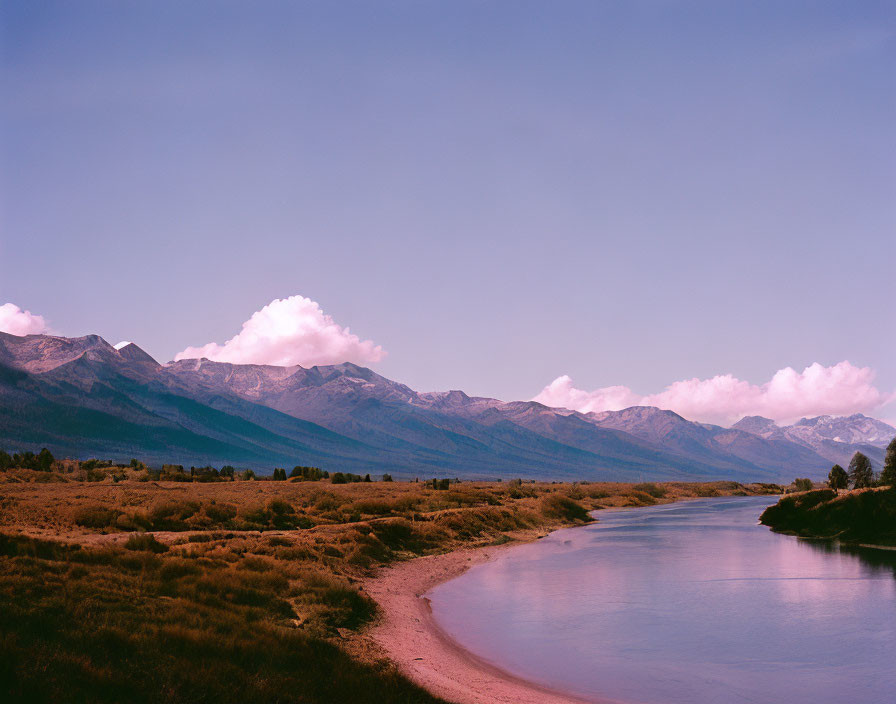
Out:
{"x": 685, "y": 603}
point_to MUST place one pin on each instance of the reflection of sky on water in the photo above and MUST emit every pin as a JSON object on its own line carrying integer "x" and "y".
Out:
{"x": 684, "y": 603}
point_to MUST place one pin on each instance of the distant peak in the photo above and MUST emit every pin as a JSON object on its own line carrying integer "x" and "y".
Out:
{"x": 755, "y": 424}
{"x": 132, "y": 353}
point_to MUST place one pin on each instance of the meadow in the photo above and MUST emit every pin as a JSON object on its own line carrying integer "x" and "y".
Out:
{"x": 118, "y": 587}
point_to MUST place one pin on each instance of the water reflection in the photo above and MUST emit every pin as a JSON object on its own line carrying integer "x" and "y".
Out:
{"x": 684, "y": 603}
{"x": 877, "y": 558}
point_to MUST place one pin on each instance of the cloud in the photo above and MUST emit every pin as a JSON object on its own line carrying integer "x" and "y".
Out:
{"x": 290, "y": 331}
{"x": 20, "y": 322}
{"x": 789, "y": 395}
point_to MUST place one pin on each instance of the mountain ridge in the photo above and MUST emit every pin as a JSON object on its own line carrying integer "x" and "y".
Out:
{"x": 349, "y": 417}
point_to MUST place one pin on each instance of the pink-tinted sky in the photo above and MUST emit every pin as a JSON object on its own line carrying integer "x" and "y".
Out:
{"x": 490, "y": 196}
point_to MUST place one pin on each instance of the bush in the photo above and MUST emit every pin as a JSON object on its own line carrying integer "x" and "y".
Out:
{"x": 220, "y": 513}
{"x": 655, "y": 490}
{"x": 145, "y": 541}
{"x": 96, "y": 517}
{"x": 562, "y": 507}
{"x": 802, "y": 484}
{"x": 172, "y": 515}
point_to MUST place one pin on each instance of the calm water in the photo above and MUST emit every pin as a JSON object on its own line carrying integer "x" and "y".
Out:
{"x": 689, "y": 603}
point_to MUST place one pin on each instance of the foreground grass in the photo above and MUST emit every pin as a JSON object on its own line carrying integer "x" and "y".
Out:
{"x": 858, "y": 516}
{"x": 242, "y": 591}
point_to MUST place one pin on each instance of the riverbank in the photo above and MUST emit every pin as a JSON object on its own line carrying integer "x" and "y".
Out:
{"x": 410, "y": 638}
{"x": 861, "y": 517}
{"x": 250, "y": 591}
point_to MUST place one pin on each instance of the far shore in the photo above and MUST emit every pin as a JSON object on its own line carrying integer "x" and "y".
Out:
{"x": 409, "y": 636}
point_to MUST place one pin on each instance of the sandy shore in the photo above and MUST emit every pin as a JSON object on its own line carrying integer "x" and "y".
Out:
{"x": 409, "y": 636}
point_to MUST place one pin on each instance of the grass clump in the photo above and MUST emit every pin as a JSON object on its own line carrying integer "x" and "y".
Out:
{"x": 654, "y": 490}
{"x": 145, "y": 541}
{"x": 96, "y": 517}
{"x": 563, "y": 507}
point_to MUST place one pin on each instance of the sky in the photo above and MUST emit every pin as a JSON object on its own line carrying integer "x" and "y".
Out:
{"x": 518, "y": 199}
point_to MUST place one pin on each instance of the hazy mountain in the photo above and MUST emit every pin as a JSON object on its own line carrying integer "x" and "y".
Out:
{"x": 836, "y": 438}
{"x": 83, "y": 397}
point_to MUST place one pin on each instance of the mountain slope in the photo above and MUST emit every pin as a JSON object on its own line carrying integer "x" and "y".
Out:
{"x": 836, "y": 439}
{"x": 83, "y": 397}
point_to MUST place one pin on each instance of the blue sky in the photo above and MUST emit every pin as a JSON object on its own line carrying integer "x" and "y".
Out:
{"x": 497, "y": 193}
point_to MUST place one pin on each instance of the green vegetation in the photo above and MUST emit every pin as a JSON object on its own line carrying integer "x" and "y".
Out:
{"x": 41, "y": 462}
{"x": 865, "y": 515}
{"x": 174, "y": 586}
{"x": 802, "y": 484}
{"x": 838, "y": 478}
{"x": 861, "y": 472}
{"x": 888, "y": 475}
{"x": 213, "y": 625}
{"x": 308, "y": 474}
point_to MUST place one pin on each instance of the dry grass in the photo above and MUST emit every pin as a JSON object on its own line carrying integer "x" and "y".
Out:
{"x": 122, "y": 590}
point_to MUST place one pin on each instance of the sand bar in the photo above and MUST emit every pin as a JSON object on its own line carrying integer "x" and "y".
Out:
{"x": 409, "y": 636}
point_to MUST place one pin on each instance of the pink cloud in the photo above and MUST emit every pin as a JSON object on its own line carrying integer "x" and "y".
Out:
{"x": 20, "y": 322}
{"x": 290, "y": 331}
{"x": 789, "y": 395}
{"x": 560, "y": 393}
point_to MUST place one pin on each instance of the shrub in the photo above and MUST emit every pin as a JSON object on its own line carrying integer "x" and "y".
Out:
{"x": 326, "y": 501}
{"x": 655, "y": 490}
{"x": 171, "y": 515}
{"x": 145, "y": 541}
{"x": 220, "y": 513}
{"x": 564, "y": 508}
{"x": 802, "y": 484}
{"x": 95, "y": 517}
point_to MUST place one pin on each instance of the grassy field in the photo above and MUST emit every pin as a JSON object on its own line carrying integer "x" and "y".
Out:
{"x": 122, "y": 589}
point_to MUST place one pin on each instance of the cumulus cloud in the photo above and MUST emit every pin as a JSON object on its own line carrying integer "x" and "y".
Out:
{"x": 290, "y": 331}
{"x": 789, "y": 395}
{"x": 16, "y": 321}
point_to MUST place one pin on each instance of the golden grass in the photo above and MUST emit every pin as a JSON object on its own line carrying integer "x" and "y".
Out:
{"x": 126, "y": 590}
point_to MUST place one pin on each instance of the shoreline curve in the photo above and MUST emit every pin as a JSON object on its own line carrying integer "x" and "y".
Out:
{"x": 409, "y": 636}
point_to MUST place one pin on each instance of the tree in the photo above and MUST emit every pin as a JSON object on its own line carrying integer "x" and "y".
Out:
{"x": 838, "y": 478}
{"x": 45, "y": 460}
{"x": 888, "y": 476}
{"x": 801, "y": 484}
{"x": 860, "y": 471}
{"x": 5, "y": 461}
{"x": 279, "y": 474}
{"x": 387, "y": 477}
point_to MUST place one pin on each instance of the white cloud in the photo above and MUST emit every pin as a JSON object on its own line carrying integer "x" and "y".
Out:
{"x": 290, "y": 331}
{"x": 20, "y": 322}
{"x": 789, "y": 395}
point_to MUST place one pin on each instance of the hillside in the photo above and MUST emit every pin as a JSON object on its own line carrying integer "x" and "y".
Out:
{"x": 82, "y": 397}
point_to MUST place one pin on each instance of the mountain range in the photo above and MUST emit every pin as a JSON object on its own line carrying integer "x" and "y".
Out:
{"x": 82, "y": 397}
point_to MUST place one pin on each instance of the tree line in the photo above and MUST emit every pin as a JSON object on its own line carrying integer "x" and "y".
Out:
{"x": 860, "y": 474}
